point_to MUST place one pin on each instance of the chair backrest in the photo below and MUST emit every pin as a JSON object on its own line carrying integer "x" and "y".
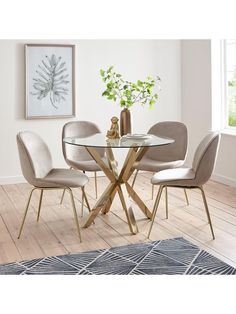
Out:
{"x": 205, "y": 157}
{"x": 174, "y": 151}
{"x": 35, "y": 157}
{"x": 79, "y": 129}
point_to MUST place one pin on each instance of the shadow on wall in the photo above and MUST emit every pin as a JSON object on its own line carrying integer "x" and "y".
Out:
{"x": 19, "y": 82}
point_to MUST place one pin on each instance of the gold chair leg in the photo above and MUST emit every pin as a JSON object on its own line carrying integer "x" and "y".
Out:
{"x": 40, "y": 204}
{"x": 135, "y": 176}
{"x": 75, "y": 213}
{"x": 152, "y": 191}
{"x": 26, "y": 210}
{"x": 166, "y": 197}
{"x": 157, "y": 201}
{"x": 62, "y": 197}
{"x": 207, "y": 211}
{"x": 186, "y": 196}
{"x": 85, "y": 198}
{"x": 63, "y": 194}
{"x": 82, "y": 205}
{"x": 96, "y": 184}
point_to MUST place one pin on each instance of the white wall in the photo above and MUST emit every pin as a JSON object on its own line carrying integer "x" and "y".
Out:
{"x": 197, "y": 104}
{"x": 196, "y": 91}
{"x": 134, "y": 58}
{"x": 225, "y": 171}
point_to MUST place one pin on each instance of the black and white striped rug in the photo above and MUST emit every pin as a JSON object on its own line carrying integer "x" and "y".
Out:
{"x": 166, "y": 257}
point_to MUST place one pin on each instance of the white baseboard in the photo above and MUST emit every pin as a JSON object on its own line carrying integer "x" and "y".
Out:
{"x": 12, "y": 180}
{"x": 223, "y": 179}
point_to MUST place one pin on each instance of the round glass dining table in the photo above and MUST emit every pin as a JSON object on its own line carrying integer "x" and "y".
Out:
{"x": 138, "y": 145}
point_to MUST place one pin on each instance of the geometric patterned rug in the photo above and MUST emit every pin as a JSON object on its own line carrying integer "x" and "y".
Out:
{"x": 165, "y": 257}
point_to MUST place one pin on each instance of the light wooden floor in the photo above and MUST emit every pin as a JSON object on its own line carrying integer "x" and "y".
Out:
{"x": 55, "y": 233}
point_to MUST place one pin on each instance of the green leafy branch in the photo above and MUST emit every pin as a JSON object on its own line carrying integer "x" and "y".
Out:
{"x": 129, "y": 93}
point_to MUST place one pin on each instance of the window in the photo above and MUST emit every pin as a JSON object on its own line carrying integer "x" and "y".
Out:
{"x": 229, "y": 83}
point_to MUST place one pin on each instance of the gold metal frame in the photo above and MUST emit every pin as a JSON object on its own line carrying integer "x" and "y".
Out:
{"x": 40, "y": 205}
{"x": 118, "y": 184}
{"x": 157, "y": 201}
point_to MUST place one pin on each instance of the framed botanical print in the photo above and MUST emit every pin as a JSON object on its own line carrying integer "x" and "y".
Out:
{"x": 50, "y": 81}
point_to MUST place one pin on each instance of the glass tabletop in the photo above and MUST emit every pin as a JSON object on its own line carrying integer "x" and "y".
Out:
{"x": 126, "y": 141}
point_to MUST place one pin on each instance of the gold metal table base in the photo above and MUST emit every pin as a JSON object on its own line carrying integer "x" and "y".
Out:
{"x": 118, "y": 184}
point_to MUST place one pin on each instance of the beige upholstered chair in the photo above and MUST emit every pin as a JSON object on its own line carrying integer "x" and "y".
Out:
{"x": 36, "y": 165}
{"x": 168, "y": 156}
{"x": 77, "y": 157}
{"x": 190, "y": 178}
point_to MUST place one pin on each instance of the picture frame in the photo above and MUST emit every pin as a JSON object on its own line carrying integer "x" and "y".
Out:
{"x": 49, "y": 81}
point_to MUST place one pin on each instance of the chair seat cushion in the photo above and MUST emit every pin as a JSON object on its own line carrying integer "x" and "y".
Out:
{"x": 148, "y": 164}
{"x": 86, "y": 165}
{"x": 63, "y": 177}
{"x": 174, "y": 177}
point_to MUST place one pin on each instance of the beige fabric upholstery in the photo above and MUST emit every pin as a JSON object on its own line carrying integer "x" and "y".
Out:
{"x": 35, "y": 158}
{"x": 167, "y": 156}
{"x": 36, "y": 164}
{"x": 152, "y": 165}
{"x": 179, "y": 176}
{"x": 63, "y": 177}
{"x": 202, "y": 168}
{"x": 86, "y": 165}
{"x": 78, "y": 157}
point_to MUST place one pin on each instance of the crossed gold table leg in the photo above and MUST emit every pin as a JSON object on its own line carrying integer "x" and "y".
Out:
{"x": 118, "y": 184}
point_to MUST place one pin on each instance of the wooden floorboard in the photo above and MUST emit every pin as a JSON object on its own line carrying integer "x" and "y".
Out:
{"x": 56, "y": 233}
